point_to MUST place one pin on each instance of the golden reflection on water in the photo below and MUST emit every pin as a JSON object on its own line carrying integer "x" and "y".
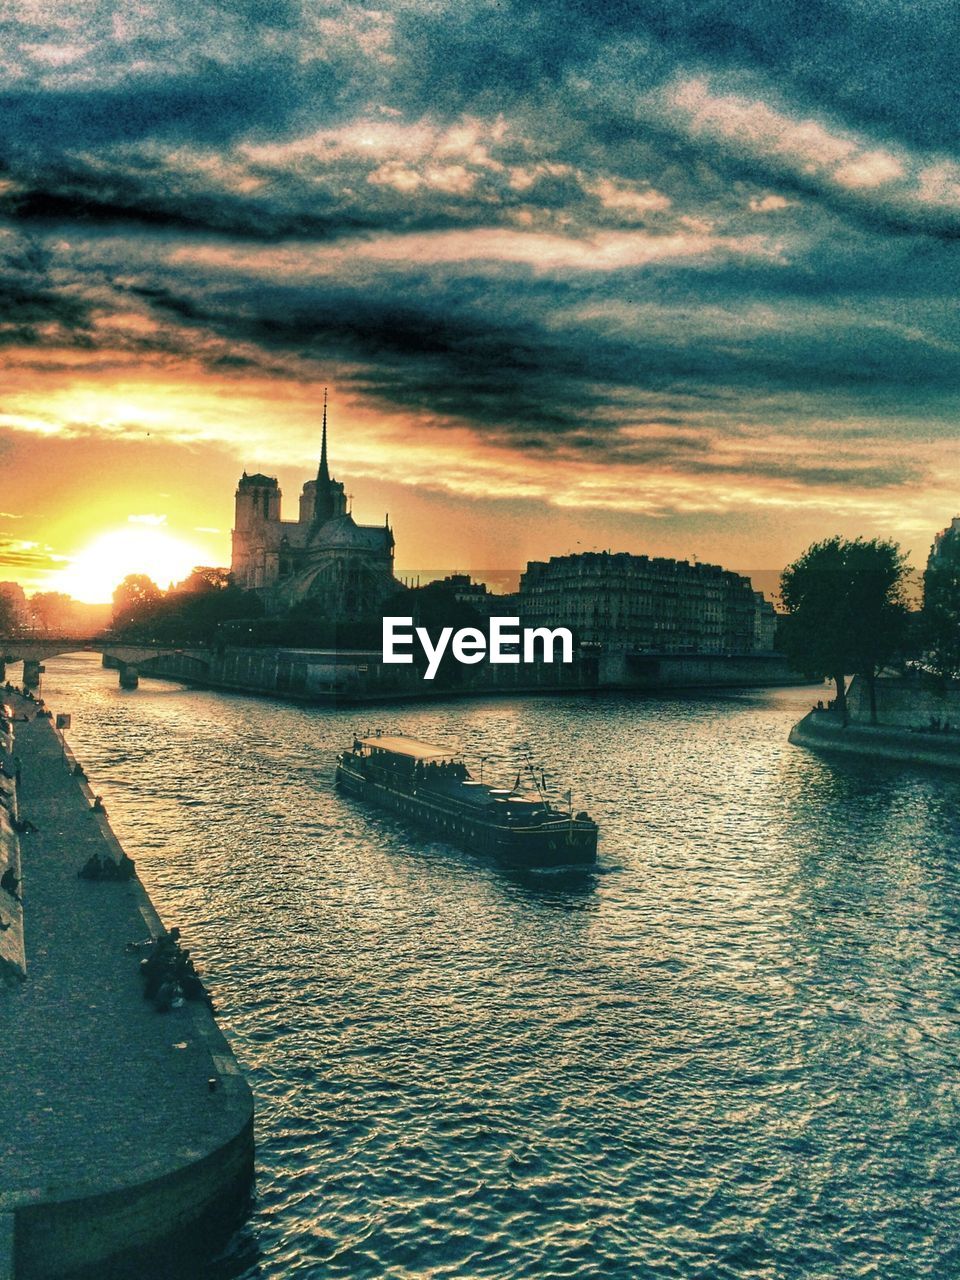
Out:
{"x": 726, "y": 1053}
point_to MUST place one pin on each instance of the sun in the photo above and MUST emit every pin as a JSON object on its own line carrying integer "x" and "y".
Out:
{"x": 95, "y": 572}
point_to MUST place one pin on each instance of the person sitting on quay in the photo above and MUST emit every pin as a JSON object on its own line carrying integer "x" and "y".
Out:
{"x": 97, "y": 806}
{"x": 79, "y": 773}
{"x": 93, "y": 868}
{"x": 163, "y": 989}
{"x": 10, "y": 882}
{"x": 169, "y": 974}
{"x": 168, "y": 996}
{"x": 153, "y": 971}
{"x": 158, "y": 963}
{"x": 124, "y": 869}
{"x": 187, "y": 977}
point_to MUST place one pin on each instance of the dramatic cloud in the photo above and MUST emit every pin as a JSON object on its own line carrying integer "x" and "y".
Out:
{"x": 690, "y": 257}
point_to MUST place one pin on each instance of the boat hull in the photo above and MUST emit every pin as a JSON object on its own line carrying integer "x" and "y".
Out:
{"x": 564, "y": 843}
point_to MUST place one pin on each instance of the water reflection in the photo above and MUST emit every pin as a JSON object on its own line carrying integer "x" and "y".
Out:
{"x": 728, "y": 1051}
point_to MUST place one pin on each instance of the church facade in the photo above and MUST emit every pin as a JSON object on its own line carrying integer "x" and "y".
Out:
{"x": 322, "y": 556}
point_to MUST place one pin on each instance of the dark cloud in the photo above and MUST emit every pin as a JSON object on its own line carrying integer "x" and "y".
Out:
{"x": 211, "y": 103}
{"x": 33, "y": 308}
{"x": 788, "y": 174}
{"x": 887, "y": 67}
{"x": 439, "y": 343}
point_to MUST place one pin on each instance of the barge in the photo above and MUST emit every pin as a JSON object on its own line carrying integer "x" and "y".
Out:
{"x": 434, "y": 789}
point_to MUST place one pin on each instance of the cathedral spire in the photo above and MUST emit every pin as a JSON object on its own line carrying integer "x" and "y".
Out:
{"x": 323, "y": 475}
{"x": 327, "y": 499}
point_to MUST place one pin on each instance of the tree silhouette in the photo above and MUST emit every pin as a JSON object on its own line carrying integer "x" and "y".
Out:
{"x": 52, "y": 610}
{"x": 134, "y": 600}
{"x": 846, "y": 612}
{"x": 941, "y": 607}
{"x": 8, "y": 618}
{"x": 205, "y": 578}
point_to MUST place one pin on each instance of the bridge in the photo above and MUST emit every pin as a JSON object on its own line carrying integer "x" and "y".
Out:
{"x": 120, "y": 655}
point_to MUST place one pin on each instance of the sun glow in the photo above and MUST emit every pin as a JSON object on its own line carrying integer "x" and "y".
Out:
{"x": 94, "y": 573}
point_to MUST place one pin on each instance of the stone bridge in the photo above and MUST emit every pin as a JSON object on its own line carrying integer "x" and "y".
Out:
{"x": 122, "y": 656}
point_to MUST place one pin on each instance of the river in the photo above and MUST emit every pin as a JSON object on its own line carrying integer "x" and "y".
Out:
{"x": 731, "y": 1052}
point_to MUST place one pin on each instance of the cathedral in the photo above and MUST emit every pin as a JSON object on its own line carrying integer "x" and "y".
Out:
{"x": 347, "y": 568}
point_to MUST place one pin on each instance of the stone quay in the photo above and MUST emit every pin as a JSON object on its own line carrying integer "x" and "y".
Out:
{"x": 126, "y": 1134}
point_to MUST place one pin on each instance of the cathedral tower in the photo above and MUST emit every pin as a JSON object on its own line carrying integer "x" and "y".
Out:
{"x": 322, "y": 499}
{"x": 255, "y": 532}
{"x": 346, "y": 569}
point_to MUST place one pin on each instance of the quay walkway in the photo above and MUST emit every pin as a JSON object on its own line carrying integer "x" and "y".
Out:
{"x": 822, "y": 731}
{"x": 125, "y": 1133}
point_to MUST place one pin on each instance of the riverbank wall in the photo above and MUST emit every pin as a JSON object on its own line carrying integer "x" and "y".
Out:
{"x": 906, "y": 704}
{"x": 650, "y": 672}
{"x": 356, "y": 677}
{"x": 904, "y": 732}
{"x": 12, "y": 957}
{"x": 127, "y": 1134}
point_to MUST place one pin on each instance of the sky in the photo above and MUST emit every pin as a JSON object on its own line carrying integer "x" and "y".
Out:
{"x": 674, "y": 278}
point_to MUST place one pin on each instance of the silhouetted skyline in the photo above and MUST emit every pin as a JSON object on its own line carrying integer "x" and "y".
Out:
{"x": 675, "y": 280}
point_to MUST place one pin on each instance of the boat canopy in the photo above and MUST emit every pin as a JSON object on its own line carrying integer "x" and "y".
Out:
{"x": 411, "y": 747}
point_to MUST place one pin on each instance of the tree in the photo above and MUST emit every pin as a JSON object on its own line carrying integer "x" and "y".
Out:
{"x": 846, "y": 612}
{"x": 135, "y": 600}
{"x": 52, "y": 610}
{"x": 8, "y": 619}
{"x": 205, "y": 578}
{"x": 13, "y": 609}
{"x": 941, "y": 606}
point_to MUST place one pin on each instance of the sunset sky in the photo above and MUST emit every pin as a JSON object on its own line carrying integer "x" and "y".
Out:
{"x": 676, "y": 278}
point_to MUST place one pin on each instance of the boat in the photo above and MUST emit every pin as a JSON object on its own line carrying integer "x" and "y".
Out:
{"x": 433, "y": 788}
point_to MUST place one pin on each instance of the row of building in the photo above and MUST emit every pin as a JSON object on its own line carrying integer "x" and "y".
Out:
{"x": 945, "y": 538}
{"x": 614, "y": 600}
{"x": 649, "y": 605}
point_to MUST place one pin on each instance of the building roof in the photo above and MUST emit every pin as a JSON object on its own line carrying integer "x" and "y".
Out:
{"x": 344, "y": 532}
{"x": 400, "y": 745}
{"x": 258, "y": 479}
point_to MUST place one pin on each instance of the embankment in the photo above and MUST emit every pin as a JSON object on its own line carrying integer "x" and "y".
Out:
{"x": 127, "y": 1134}
{"x": 822, "y": 731}
{"x": 345, "y": 676}
{"x": 12, "y": 958}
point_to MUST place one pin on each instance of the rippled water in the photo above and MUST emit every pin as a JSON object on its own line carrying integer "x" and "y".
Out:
{"x": 732, "y": 1052}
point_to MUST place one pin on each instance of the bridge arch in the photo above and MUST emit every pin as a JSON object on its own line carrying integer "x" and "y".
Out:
{"x": 124, "y": 657}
